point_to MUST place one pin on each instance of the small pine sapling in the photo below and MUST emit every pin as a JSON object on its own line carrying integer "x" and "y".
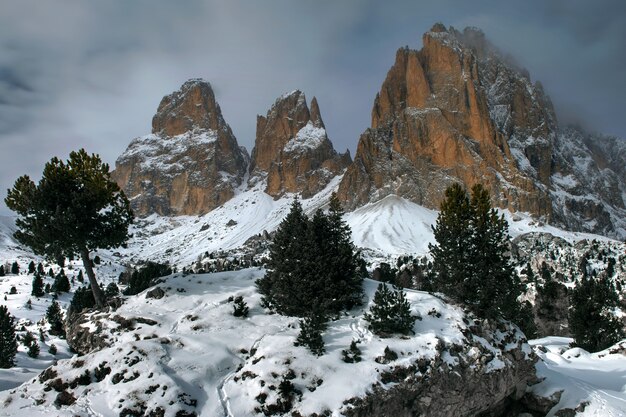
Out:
{"x": 352, "y": 354}
{"x": 240, "y": 308}
{"x": 52, "y": 349}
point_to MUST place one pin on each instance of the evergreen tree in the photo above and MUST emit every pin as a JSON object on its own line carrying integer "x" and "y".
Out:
{"x": 31, "y": 344}
{"x": 471, "y": 263}
{"x": 31, "y": 267}
{"x": 112, "y": 290}
{"x": 37, "y": 286}
{"x": 240, "y": 308}
{"x": 452, "y": 254}
{"x": 82, "y": 299}
{"x": 311, "y": 328}
{"x": 61, "y": 283}
{"x": 287, "y": 264}
{"x": 144, "y": 277}
{"x": 8, "y": 342}
{"x": 352, "y": 354}
{"x": 52, "y": 349}
{"x": 591, "y": 320}
{"x": 2, "y": 273}
{"x": 74, "y": 209}
{"x": 40, "y": 269}
{"x": 80, "y": 277}
{"x": 390, "y": 313}
{"x": 50, "y": 273}
{"x": 312, "y": 264}
{"x": 15, "y": 268}
{"x": 55, "y": 318}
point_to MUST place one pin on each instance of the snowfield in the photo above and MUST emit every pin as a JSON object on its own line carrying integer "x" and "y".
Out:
{"x": 188, "y": 353}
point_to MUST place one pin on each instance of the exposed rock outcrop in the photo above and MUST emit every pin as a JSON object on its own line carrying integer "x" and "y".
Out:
{"x": 458, "y": 111}
{"x": 292, "y": 149}
{"x": 473, "y": 385}
{"x": 190, "y": 164}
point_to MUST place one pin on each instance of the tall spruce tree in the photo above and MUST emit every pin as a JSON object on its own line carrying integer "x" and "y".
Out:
{"x": 37, "y": 286}
{"x": 74, "y": 209}
{"x": 471, "y": 261}
{"x": 31, "y": 267}
{"x": 283, "y": 286}
{"x": 591, "y": 321}
{"x": 8, "y": 341}
{"x": 55, "y": 318}
{"x": 312, "y": 265}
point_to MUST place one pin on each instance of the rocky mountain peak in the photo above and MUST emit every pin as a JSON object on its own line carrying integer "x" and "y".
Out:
{"x": 191, "y": 107}
{"x": 458, "y": 110}
{"x": 190, "y": 164}
{"x": 292, "y": 149}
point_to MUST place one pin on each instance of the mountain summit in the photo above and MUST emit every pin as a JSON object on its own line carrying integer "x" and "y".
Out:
{"x": 458, "y": 111}
{"x": 292, "y": 149}
{"x": 190, "y": 164}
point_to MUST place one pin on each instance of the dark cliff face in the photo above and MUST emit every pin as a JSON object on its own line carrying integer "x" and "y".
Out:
{"x": 190, "y": 164}
{"x": 292, "y": 150}
{"x": 458, "y": 111}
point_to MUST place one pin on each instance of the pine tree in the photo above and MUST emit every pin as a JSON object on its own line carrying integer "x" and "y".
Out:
{"x": 74, "y": 209}
{"x": 40, "y": 269}
{"x": 390, "y": 313}
{"x": 15, "y": 268}
{"x": 61, "y": 283}
{"x": 37, "y": 286}
{"x": 471, "y": 261}
{"x": 312, "y": 265}
{"x": 80, "y": 277}
{"x": 82, "y": 299}
{"x": 2, "y": 273}
{"x": 352, "y": 354}
{"x": 31, "y": 344}
{"x": 591, "y": 321}
{"x": 311, "y": 328}
{"x": 452, "y": 255}
{"x": 240, "y": 308}
{"x": 31, "y": 267}
{"x": 286, "y": 265}
{"x": 112, "y": 290}
{"x": 8, "y": 341}
{"x": 55, "y": 318}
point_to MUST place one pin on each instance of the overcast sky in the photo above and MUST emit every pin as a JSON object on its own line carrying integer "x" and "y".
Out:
{"x": 91, "y": 74}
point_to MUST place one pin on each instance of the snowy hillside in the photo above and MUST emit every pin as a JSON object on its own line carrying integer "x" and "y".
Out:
{"x": 186, "y": 353}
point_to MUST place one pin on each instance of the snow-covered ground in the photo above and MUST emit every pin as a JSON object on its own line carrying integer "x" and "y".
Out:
{"x": 598, "y": 379}
{"x": 204, "y": 345}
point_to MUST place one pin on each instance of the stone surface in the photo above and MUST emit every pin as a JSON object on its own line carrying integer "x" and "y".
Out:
{"x": 190, "y": 164}
{"x": 459, "y": 111}
{"x": 292, "y": 150}
{"x": 471, "y": 387}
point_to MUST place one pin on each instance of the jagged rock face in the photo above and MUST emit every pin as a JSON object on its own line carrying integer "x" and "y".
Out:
{"x": 190, "y": 164}
{"x": 470, "y": 387}
{"x": 292, "y": 149}
{"x": 457, "y": 111}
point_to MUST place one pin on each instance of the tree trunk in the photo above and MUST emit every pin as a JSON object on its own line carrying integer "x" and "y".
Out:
{"x": 98, "y": 295}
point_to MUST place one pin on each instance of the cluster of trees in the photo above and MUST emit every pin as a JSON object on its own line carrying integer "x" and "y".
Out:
{"x": 312, "y": 264}
{"x": 471, "y": 262}
{"x": 143, "y": 278}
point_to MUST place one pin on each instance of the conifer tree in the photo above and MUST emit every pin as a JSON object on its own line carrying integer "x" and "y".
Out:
{"x": 390, "y": 313}
{"x": 8, "y": 341}
{"x": 15, "y": 268}
{"x": 2, "y": 273}
{"x": 31, "y": 344}
{"x": 31, "y": 267}
{"x": 40, "y": 269}
{"x": 74, "y": 209}
{"x": 471, "y": 263}
{"x": 61, "y": 283}
{"x": 280, "y": 285}
{"x": 82, "y": 299}
{"x": 591, "y": 321}
{"x": 312, "y": 265}
{"x": 37, "y": 286}
{"x": 451, "y": 255}
{"x": 240, "y": 308}
{"x": 55, "y": 318}
{"x": 311, "y": 328}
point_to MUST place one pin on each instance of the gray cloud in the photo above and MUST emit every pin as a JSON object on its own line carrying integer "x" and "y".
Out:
{"x": 91, "y": 74}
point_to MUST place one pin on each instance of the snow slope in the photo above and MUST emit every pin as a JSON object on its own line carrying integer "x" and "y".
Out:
{"x": 188, "y": 353}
